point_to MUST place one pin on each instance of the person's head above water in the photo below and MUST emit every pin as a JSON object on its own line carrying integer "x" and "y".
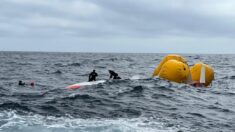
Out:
{"x": 32, "y": 83}
{"x": 93, "y": 70}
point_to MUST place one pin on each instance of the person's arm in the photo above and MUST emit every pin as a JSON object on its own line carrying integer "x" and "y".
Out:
{"x": 110, "y": 77}
{"x": 89, "y": 76}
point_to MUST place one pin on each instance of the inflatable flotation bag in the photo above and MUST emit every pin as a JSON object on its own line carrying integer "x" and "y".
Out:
{"x": 173, "y": 68}
{"x": 175, "y": 71}
{"x": 202, "y": 73}
{"x": 165, "y": 59}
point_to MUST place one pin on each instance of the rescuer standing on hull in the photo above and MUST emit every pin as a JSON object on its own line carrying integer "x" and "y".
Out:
{"x": 92, "y": 76}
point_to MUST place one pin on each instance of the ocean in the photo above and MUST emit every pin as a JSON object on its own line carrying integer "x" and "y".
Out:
{"x": 137, "y": 103}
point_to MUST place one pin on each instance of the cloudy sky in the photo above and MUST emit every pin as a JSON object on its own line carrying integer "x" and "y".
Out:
{"x": 155, "y": 26}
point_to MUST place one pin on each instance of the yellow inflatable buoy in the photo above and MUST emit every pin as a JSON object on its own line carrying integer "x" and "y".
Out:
{"x": 202, "y": 73}
{"x": 174, "y": 70}
{"x": 165, "y": 59}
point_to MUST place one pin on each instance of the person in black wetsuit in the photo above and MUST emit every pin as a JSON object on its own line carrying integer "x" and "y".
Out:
{"x": 113, "y": 75}
{"x": 92, "y": 76}
{"x": 21, "y": 83}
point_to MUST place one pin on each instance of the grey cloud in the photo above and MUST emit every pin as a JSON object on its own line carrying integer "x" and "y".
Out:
{"x": 114, "y": 18}
{"x": 44, "y": 19}
{"x": 167, "y": 19}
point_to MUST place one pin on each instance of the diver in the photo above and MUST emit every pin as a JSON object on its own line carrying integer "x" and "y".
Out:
{"x": 92, "y": 76}
{"x": 21, "y": 83}
{"x": 113, "y": 75}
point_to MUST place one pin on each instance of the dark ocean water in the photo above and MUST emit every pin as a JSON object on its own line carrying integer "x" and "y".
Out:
{"x": 137, "y": 103}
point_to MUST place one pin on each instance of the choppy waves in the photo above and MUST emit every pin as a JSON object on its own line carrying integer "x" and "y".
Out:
{"x": 10, "y": 121}
{"x": 136, "y": 103}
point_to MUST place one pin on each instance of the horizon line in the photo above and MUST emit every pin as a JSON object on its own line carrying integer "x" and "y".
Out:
{"x": 103, "y": 52}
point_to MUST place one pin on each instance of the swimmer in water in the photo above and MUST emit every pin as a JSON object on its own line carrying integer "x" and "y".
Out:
{"x": 21, "y": 83}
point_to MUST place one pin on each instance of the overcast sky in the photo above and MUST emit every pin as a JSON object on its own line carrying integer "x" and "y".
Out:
{"x": 155, "y": 26}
